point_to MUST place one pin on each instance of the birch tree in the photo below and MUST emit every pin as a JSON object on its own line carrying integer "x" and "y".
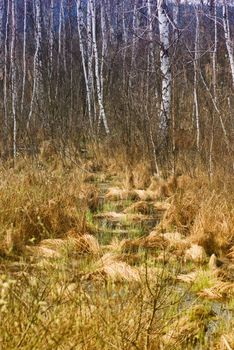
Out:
{"x": 13, "y": 74}
{"x": 165, "y": 71}
{"x": 37, "y": 62}
{"x": 5, "y": 83}
{"x": 90, "y": 60}
{"x": 195, "y": 82}
{"x": 150, "y": 68}
{"x": 134, "y": 43}
{"x": 51, "y": 37}
{"x": 214, "y": 53}
{"x": 1, "y": 39}
{"x": 125, "y": 41}
{"x": 229, "y": 45}
{"x": 24, "y": 55}
{"x": 59, "y": 45}
{"x": 80, "y": 24}
{"x": 51, "y": 47}
{"x": 104, "y": 45}
{"x": 2, "y": 60}
{"x": 102, "y": 114}
{"x": 64, "y": 37}
{"x": 176, "y": 9}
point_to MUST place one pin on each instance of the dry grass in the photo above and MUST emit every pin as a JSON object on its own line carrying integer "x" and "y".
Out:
{"x": 188, "y": 277}
{"x": 158, "y": 188}
{"x": 141, "y": 207}
{"x": 231, "y": 253}
{"x": 213, "y": 225}
{"x": 56, "y": 248}
{"x": 189, "y": 329}
{"x": 163, "y": 188}
{"x": 118, "y": 296}
{"x": 116, "y": 194}
{"x": 151, "y": 241}
{"x": 37, "y": 204}
{"x": 123, "y": 218}
{"x": 203, "y": 212}
{"x": 109, "y": 267}
{"x": 226, "y": 342}
{"x": 219, "y": 291}
{"x": 142, "y": 174}
{"x": 181, "y": 213}
{"x": 196, "y": 253}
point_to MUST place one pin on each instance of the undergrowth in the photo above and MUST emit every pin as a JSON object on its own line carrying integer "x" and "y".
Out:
{"x": 82, "y": 270}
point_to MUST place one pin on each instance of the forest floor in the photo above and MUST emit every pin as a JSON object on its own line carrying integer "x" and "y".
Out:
{"x": 92, "y": 262}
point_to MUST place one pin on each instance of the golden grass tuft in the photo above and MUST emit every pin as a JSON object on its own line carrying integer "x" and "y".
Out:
{"x": 213, "y": 225}
{"x": 163, "y": 188}
{"x": 42, "y": 252}
{"x": 196, "y": 253}
{"x": 123, "y": 218}
{"x": 37, "y": 204}
{"x": 146, "y": 195}
{"x": 116, "y": 194}
{"x": 220, "y": 290}
{"x": 226, "y": 342}
{"x": 188, "y": 329}
{"x": 87, "y": 244}
{"x": 109, "y": 267}
{"x": 90, "y": 196}
{"x": 175, "y": 239}
{"x": 203, "y": 212}
{"x": 230, "y": 254}
{"x": 188, "y": 277}
{"x": 131, "y": 245}
{"x": 151, "y": 241}
{"x": 181, "y": 213}
{"x": 141, "y": 207}
{"x": 55, "y": 248}
{"x": 142, "y": 174}
{"x": 47, "y": 152}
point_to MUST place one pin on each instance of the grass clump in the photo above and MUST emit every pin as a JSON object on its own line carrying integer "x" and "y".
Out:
{"x": 36, "y": 204}
{"x": 189, "y": 330}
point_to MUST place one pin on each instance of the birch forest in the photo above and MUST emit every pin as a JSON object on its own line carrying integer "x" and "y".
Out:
{"x": 116, "y": 174}
{"x": 154, "y": 76}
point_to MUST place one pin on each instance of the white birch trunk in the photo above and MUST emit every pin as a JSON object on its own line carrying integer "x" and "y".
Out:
{"x": 64, "y": 37}
{"x": 51, "y": 37}
{"x": 125, "y": 41}
{"x": 150, "y": 33}
{"x": 24, "y": 55}
{"x": 59, "y": 46}
{"x": 80, "y": 24}
{"x": 214, "y": 53}
{"x": 104, "y": 46}
{"x": 13, "y": 74}
{"x": 229, "y": 45}
{"x": 37, "y": 64}
{"x": 134, "y": 42}
{"x": 71, "y": 71}
{"x": 165, "y": 70}
{"x": 90, "y": 59}
{"x": 195, "y": 94}
{"x": 1, "y": 39}
{"x": 2, "y": 61}
{"x": 5, "y": 87}
{"x": 150, "y": 68}
{"x": 214, "y": 85}
{"x": 176, "y": 8}
{"x": 102, "y": 114}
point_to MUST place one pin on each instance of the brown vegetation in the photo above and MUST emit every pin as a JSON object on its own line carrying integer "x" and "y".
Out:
{"x": 53, "y": 218}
